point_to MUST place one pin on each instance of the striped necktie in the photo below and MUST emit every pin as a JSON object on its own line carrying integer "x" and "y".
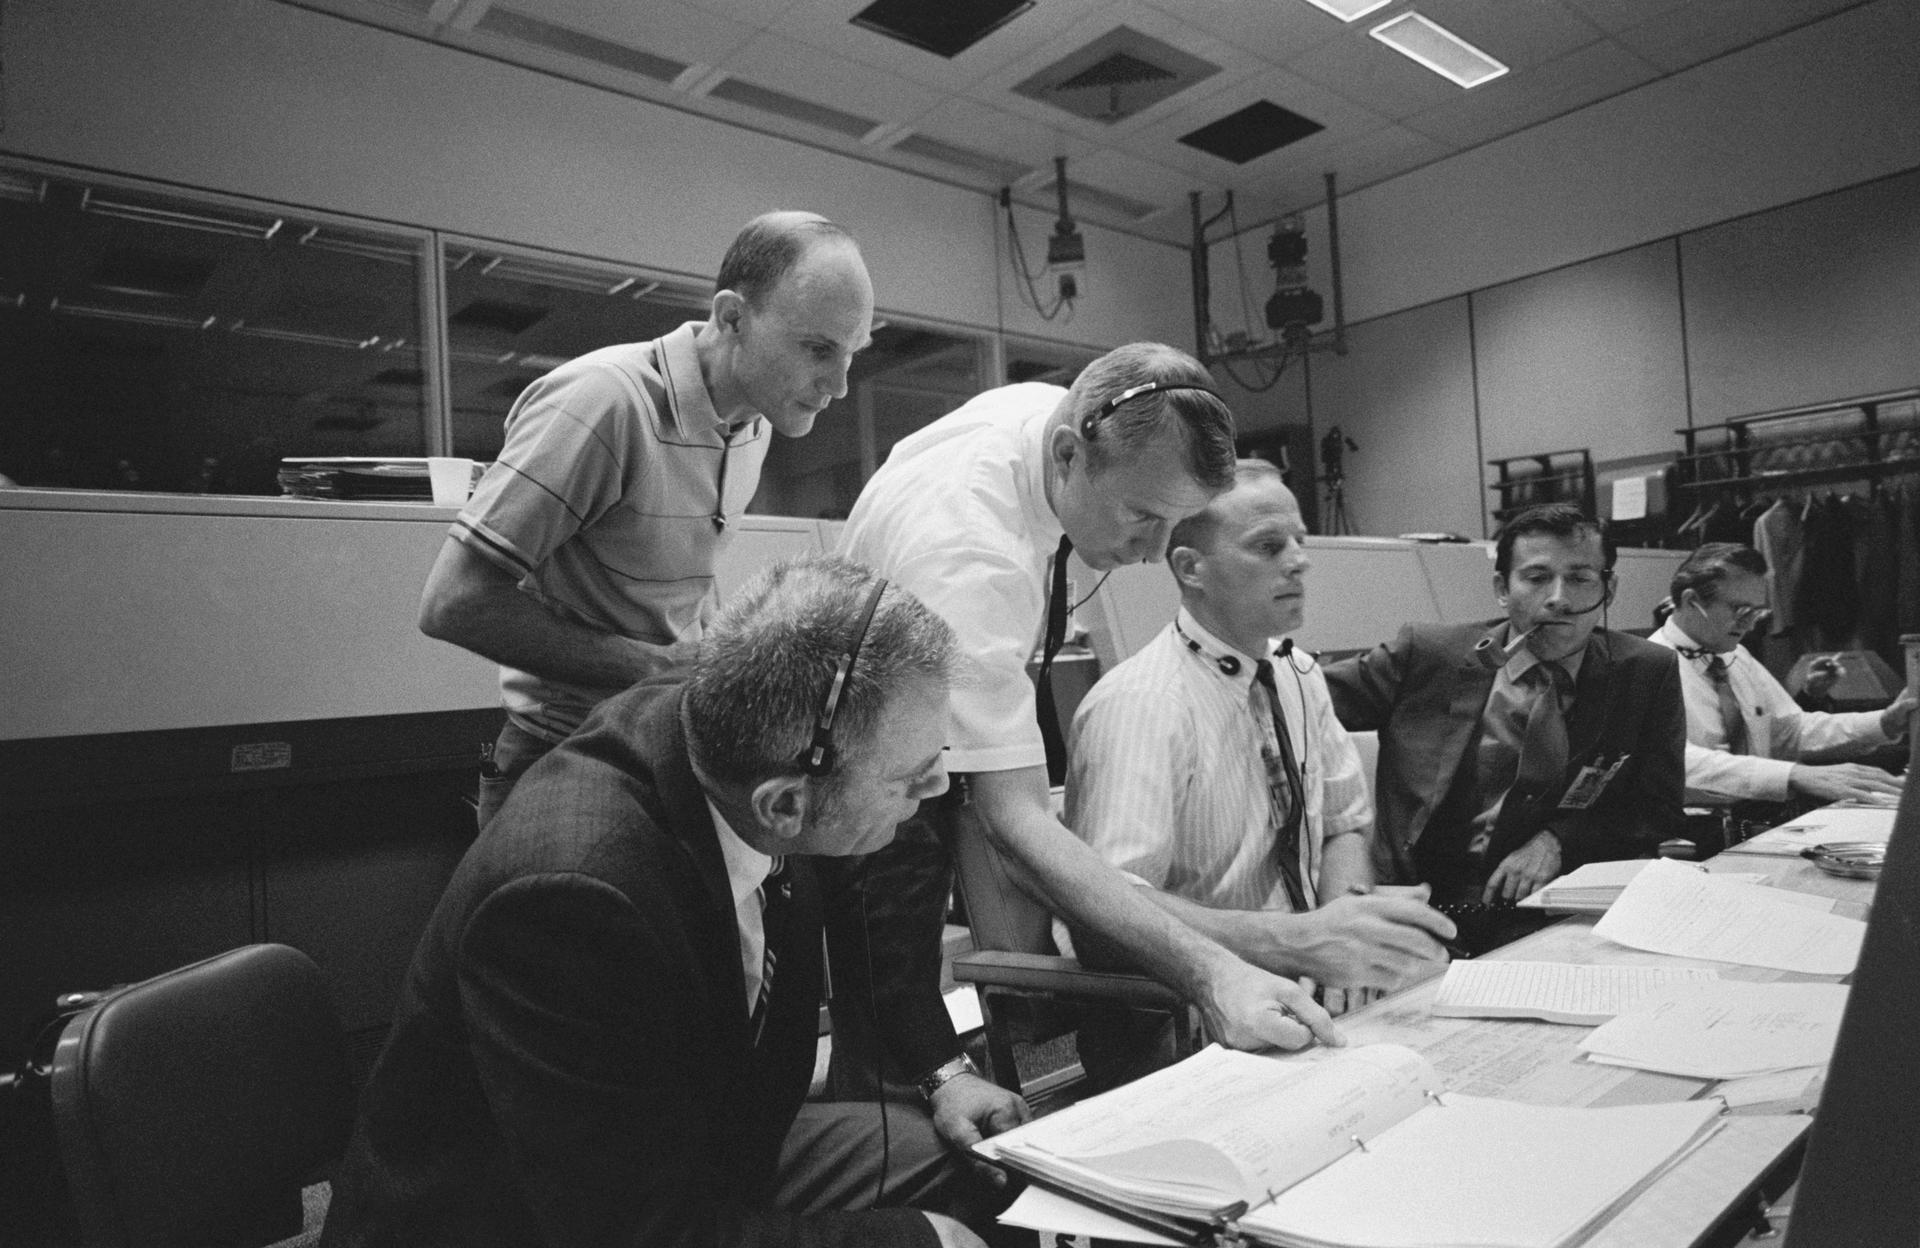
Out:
{"x": 775, "y": 894}
{"x": 1543, "y": 750}
{"x": 1288, "y": 792}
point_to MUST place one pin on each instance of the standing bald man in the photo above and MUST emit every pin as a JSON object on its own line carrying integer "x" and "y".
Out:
{"x": 584, "y": 561}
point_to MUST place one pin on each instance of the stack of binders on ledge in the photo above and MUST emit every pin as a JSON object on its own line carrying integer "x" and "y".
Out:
{"x": 1360, "y": 1149}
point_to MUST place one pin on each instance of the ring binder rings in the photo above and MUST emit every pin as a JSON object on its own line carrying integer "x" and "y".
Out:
{"x": 1361, "y": 1148}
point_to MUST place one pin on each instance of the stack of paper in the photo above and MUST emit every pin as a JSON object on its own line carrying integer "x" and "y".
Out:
{"x": 1727, "y": 1029}
{"x": 1829, "y": 824}
{"x": 1559, "y": 992}
{"x": 1673, "y": 909}
{"x": 1592, "y": 888}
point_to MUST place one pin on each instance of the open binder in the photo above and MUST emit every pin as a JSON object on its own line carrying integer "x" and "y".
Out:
{"x": 1360, "y": 1149}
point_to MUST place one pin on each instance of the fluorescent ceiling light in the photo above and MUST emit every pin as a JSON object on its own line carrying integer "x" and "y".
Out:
{"x": 1349, "y": 10}
{"x": 1438, "y": 48}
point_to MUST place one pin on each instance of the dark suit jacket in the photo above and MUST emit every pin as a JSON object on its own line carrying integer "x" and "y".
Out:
{"x": 571, "y": 1062}
{"x": 1424, "y": 693}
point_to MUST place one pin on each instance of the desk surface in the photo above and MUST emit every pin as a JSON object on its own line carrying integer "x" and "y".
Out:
{"x": 1540, "y": 1062}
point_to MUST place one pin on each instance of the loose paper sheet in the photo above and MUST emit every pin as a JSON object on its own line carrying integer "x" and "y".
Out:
{"x": 1670, "y": 908}
{"x": 1726, "y": 1029}
{"x": 1555, "y": 991}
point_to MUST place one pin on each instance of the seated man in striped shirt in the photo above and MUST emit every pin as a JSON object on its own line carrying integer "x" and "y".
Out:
{"x": 1210, "y": 769}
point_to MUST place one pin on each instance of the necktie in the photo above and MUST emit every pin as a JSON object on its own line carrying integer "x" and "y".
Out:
{"x": 1730, "y": 717}
{"x": 1289, "y": 794}
{"x": 775, "y": 894}
{"x": 1543, "y": 750}
{"x": 1045, "y": 711}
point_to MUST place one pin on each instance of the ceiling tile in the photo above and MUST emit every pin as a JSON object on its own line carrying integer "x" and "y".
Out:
{"x": 773, "y": 60}
{"x": 1517, "y": 101}
{"x": 1706, "y": 28}
{"x": 756, "y": 13}
{"x": 1360, "y": 68}
{"x": 1276, "y": 31}
{"x": 1615, "y": 15}
{"x": 1113, "y": 170}
{"x": 1517, "y": 35}
{"x": 828, "y": 24}
{"x": 673, "y": 30}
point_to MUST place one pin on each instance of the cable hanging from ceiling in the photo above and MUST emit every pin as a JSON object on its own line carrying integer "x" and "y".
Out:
{"x": 1066, "y": 254}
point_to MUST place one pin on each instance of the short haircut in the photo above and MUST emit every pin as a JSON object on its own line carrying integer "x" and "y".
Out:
{"x": 1203, "y": 420}
{"x": 764, "y": 669}
{"x": 1561, "y": 520}
{"x": 767, "y": 249}
{"x": 1704, "y": 569}
{"x": 1199, "y": 529}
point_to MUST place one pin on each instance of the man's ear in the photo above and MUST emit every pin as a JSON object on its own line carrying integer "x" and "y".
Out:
{"x": 1613, "y": 585}
{"x": 1184, "y": 562}
{"x": 727, "y": 309}
{"x": 1500, "y": 588}
{"x": 1063, "y": 446}
{"x": 780, "y": 806}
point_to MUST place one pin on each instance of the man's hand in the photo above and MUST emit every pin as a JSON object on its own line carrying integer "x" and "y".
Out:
{"x": 1248, "y": 1008}
{"x": 1526, "y": 870}
{"x": 968, "y": 1109}
{"x": 952, "y": 1234}
{"x": 1822, "y": 675}
{"x": 1379, "y": 940}
{"x": 1893, "y": 720}
{"x": 1842, "y": 782}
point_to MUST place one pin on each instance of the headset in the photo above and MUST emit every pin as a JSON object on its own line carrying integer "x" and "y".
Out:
{"x": 818, "y": 758}
{"x": 1090, "y": 423}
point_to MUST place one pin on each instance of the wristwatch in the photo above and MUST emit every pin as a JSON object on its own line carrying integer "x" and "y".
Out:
{"x": 940, "y": 1076}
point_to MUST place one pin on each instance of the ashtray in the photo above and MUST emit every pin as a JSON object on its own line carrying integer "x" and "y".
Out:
{"x": 1855, "y": 860}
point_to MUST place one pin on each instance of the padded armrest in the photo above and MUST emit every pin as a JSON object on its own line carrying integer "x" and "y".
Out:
{"x": 1061, "y": 976}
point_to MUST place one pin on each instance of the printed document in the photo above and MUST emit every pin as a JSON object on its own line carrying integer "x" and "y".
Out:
{"x": 1558, "y": 992}
{"x": 1673, "y": 909}
{"x": 1727, "y": 1029}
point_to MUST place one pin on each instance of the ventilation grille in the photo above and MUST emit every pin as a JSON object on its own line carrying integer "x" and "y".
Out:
{"x": 1001, "y": 172}
{"x": 511, "y": 25}
{"x": 792, "y": 107}
{"x": 1252, "y": 132}
{"x": 1116, "y": 76}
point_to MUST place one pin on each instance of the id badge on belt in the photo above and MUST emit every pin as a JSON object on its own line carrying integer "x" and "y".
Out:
{"x": 1591, "y": 782}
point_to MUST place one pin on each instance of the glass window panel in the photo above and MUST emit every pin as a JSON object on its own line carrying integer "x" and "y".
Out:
{"x": 161, "y": 342}
{"x": 906, "y": 379}
{"x": 513, "y": 316}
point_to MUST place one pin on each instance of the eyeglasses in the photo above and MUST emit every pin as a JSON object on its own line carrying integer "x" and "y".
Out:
{"x": 1747, "y": 615}
{"x": 818, "y": 758}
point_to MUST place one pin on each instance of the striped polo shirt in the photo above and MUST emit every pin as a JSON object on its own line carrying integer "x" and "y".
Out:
{"x": 610, "y": 502}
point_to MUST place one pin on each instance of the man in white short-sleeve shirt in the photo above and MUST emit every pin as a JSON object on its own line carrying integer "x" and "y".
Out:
{"x": 584, "y": 561}
{"x": 968, "y": 513}
{"x": 1182, "y": 777}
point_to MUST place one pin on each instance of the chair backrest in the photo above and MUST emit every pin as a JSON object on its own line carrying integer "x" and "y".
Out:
{"x": 1003, "y": 915}
{"x": 191, "y": 1107}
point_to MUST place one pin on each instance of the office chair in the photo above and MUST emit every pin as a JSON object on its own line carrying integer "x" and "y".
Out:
{"x": 191, "y": 1107}
{"x": 1030, "y": 993}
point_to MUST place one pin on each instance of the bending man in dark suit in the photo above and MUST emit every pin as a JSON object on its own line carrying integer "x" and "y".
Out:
{"x": 608, "y": 1030}
{"x": 1474, "y": 793}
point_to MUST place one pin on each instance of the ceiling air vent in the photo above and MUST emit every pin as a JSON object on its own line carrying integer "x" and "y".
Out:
{"x": 792, "y": 107}
{"x": 998, "y": 169}
{"x": 1251, "y": 133}
{"x": 511, "y": 25}
{"x": 942, "y": 27}
{"x": 1116, "y": 76}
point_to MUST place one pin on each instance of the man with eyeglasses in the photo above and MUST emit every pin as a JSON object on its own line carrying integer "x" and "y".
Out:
{"x": 1513, "y": 751}
{"x": 608, "y": 1030}
{"x": 1746, "y": 736}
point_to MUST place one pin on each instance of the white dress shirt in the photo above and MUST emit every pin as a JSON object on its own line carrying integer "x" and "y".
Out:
{"x": 747, "y": 870}
{"x": 1166, "y": 780}
{"x": 959, "y": 515}
{"x": 1778, "y": 731}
